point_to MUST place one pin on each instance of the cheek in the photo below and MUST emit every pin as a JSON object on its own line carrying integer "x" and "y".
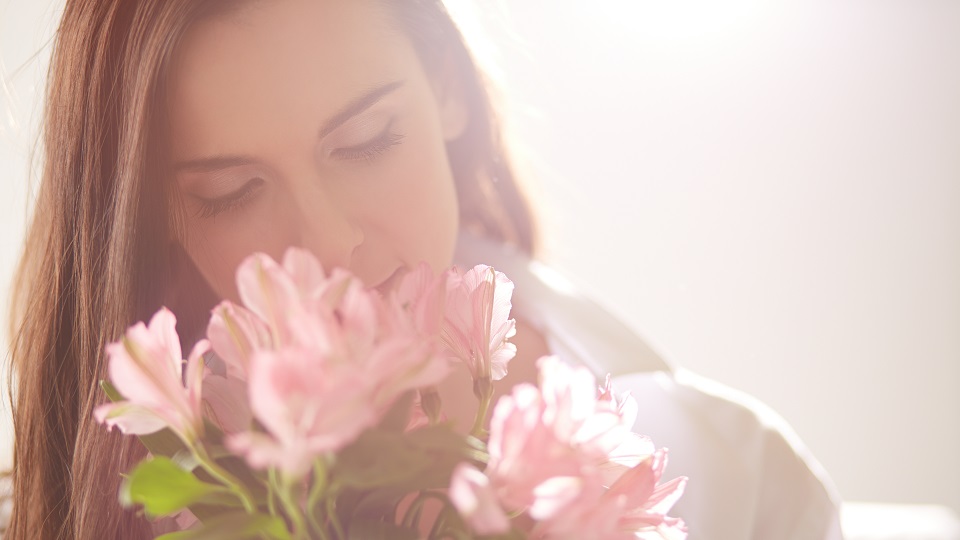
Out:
{"x": 420, "y": 216}
{"x": 219, "y": 245}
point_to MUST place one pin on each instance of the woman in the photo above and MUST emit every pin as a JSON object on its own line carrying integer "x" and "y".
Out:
{"x": 181, "y": 136}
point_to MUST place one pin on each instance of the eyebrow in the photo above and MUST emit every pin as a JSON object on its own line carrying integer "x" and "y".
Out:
{"x": 355, "y": 107}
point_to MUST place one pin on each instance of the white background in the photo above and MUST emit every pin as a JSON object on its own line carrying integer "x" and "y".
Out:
{"x": 768, "y": 191}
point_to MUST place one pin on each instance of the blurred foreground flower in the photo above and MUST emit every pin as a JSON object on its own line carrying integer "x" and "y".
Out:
{"x": 146, "y": 368}
{"x": 325, "y": 420}
{"x": 340, "y": 356}
{"x": 477, "y": 323}
{"x": 550, "y": 454}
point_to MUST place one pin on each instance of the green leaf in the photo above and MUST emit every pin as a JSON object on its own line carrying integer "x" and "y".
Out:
{"x": 254, "y": 480}
{"x": 235, "y": 526}
{"x": 398, "y": 416}
{"x": 363, "y": 529}
{"x": 112, "y": 393}
{"x": 379, "y": 458}
{"x": 162, "y": 488}
{"x": 443, "y": 449}
{"x": 443, "y": 439}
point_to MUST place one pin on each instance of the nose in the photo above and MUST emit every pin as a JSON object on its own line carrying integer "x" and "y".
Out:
{"x": 325, "y": 225}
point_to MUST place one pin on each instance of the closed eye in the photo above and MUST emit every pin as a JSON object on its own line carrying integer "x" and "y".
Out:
{"x": 370, "y": 150}
{"x": 210, "y": 208}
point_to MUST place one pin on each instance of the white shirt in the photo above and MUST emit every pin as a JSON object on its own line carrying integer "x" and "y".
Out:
{"x": 750, "y": 477}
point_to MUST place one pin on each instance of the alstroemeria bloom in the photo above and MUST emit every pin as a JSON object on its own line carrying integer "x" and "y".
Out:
{"x": 477, "y": 323}
{"x": 557, "y": 448}
{"x": 308, "y": 404}
{"x": 146, "y": 368}
{"x": 338, "y": 358}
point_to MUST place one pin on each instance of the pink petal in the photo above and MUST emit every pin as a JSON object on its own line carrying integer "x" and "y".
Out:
{"x": 262, "y": 451}
{"x": 471, "y": 494}
{"x": 145, "y": 379}
{"x": 553, "y": 495}
{"x": 358, "y": 311}
{"x": 502, "y": 300}
{"x": 636, "y": 485}
{"x": 634, "y": 449}
{"x": 305, "y": 270}
{"x": 666, "y": 495}
{"x": 194, "y": 377}
{"x": 267, "y": 291}
{"x": 234, "y": 334}
{"x": 425, "y": 296}
{"x": 130, "y": 419}
{"x": 163, "y": 326}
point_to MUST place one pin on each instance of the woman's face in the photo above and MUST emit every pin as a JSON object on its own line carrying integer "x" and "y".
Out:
{"x": 312, "y": 123}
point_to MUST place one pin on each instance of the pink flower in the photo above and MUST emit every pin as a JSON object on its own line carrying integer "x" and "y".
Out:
{"x": 146, "y": 368}
{"x": 525, "y": 450}
{"x": 544, "y": 441}
{"x": 308, "y": 403}
{"x": 555, "y": 451}
{"x": 477, "y": 324}
{"x": 577, "y": 415}
{"x": 339, "y": 355}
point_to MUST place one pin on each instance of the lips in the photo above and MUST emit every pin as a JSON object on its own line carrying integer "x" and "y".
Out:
{"x": 390, "y": 283}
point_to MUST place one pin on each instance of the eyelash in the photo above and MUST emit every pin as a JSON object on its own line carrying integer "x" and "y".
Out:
{"x": 234, "y": 201}
{"x": 368, "y": 152}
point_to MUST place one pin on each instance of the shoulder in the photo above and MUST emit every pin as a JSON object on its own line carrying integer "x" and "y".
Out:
{"x": 750, "y": 474}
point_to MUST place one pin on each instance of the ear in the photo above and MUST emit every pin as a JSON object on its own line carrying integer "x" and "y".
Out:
{"x": 450, "y": 95}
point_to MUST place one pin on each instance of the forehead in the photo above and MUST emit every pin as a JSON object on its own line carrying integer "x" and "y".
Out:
{"x": 276, "y": 69}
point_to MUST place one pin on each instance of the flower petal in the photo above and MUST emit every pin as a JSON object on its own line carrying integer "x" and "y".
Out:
{"x": 194, "y": 377}
{"x": 163, "y": 326}
{"x": 267, "y": 291}
{"x": 129, "y": 418}
{"x": 471, "y": 494}
{"x": 551, "y": 496}
{"x": 234, "y": 334}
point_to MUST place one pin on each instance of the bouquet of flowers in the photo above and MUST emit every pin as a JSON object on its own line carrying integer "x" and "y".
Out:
{"x": 312, "y": 411}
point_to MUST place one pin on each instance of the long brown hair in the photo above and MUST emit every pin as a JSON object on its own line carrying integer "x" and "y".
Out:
{"x": 96, "y": 257}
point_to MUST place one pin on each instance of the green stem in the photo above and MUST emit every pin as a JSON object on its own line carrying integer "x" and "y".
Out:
{"x": 332, "y": 515}
{"x": 317, "y": 491}
{"x": 438, "y": 526}
{"x": 486, "y": 395}
{"x": 272, "y": 492}
{"x": 225, "y": 478}
{"x": 291, "y": 509}
{"x": 431, "y": 404}
{"x": 412, "y": 516}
